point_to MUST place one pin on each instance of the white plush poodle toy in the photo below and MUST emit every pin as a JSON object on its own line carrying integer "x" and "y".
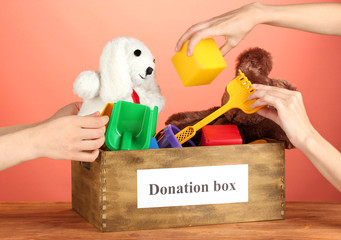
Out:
{"x": 126, "y": 72}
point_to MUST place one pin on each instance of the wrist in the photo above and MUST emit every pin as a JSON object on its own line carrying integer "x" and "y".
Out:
{"x": 23, "y": 145}
{"x": 308, "y": 141}
{"x": 36, "y": 140}
{"x": 258, "y": 11}
{"x": 263, "y": 13}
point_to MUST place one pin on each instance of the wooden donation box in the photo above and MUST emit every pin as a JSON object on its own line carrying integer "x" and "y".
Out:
{"x": 179, "y": 187}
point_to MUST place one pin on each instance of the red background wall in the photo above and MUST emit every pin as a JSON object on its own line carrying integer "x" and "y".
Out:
{"x": 44, "y": 45}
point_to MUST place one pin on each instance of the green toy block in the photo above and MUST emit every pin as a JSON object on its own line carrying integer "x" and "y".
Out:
{"x": 130, "y": 126}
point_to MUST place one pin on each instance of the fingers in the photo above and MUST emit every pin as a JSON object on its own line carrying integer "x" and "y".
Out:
{"x": 235, "y": 24}
{"x": 275, "y": 93}
{"x": 93, "y": 122}
{"x": 272, "y": 88}
{"x": 75, "y": 107}
{"x": 95, "y": 114}
{"x": 269, "y": 113}
{"x": 93, "y": 144}
{"x": 188, "y": 34}
{"x": 266, "y": 99}
{"x": 87, "y": 150}
{"x": 78, "y": 105}
{"x": 196, "y": 38}
{"x": 92, "y": 133}
{"x": 282, "y": 101}
{"x": 269, "y": 95}
{"x": 226, "y": 48}
{"x": 89, "y": 156}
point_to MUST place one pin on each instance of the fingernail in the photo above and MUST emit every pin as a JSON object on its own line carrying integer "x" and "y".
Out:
{"x": 176, "y": 49}
{"x": 189, "y": 53}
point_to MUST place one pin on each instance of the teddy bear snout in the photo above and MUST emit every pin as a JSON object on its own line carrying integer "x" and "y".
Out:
{"x": 149, "y": 71}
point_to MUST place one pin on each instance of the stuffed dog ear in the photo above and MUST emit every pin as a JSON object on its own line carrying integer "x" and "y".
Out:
{"x": 87, "y": 84}
{"x": 114, "y": 70}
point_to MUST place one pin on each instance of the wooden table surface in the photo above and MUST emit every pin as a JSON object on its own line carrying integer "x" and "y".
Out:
{"x": 56, "y": 220}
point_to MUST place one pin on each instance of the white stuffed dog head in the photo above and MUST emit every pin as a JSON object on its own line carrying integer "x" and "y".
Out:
{"x": 125, "y": 64}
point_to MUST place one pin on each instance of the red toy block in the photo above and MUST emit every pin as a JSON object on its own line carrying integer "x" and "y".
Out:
{"x": 213, "y": 135}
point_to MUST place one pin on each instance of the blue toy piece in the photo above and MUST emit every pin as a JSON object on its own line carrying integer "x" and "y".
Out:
{"x": 153, "y": 143}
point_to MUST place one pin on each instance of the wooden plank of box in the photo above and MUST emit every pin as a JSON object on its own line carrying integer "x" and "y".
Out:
{"x": 105, "y": 191}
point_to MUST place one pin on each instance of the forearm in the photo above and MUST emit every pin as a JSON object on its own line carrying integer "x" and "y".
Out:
{"x": 322, "y": 18}
{"x": 12, "y": 129}
{"x": 324, "y": 156}
{"x": 17, "y": 147}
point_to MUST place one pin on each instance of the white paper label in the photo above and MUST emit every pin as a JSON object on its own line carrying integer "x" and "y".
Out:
{"x": 167, "y": 187}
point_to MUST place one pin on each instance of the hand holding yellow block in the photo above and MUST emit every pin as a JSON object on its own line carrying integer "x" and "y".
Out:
{"x": 202, "y": 67}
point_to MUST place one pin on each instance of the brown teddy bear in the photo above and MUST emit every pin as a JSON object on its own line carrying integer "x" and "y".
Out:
{"x": 256, "y": 64}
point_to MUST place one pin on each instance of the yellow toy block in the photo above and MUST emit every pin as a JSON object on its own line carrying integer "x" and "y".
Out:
{"x": 202, "y": 67}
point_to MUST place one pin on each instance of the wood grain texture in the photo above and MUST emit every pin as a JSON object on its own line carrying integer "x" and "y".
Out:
{"x": 115, "y": 188}
{"x": 87, "y": 192}
{"x": 50, "y": 220}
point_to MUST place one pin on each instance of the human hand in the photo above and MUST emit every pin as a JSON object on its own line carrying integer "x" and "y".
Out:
{"x": 233, "y": 25}
{"x": 71, "y": 137}
{"x": 70, "y": 109}
{"x": 286, "y": 108}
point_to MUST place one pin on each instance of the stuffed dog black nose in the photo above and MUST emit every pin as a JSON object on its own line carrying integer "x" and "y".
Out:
{"x": 149, "y": 71}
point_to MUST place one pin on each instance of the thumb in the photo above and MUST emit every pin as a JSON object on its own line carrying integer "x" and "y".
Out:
{"x": 78, "y": 105}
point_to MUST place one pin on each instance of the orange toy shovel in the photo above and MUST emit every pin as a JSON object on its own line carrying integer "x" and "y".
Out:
{"x": 239, "y": 90}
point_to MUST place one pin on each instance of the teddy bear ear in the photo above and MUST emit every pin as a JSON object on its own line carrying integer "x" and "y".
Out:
{"x": 283, "y": 84}
{"x": 116, "y": 83}
{"x": 255, "y": 60}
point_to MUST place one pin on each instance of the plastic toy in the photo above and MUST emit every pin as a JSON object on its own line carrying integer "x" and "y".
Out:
{"x": 166, "y": 138}
{"x": 256, "y": 63}
{"x": 107, "y": 110}
{"x": 202, "y": 67}
{"x": 239, "y": 89}
{"x": 153, "y": 144}
{"x": 258, "y": 141}
{"x": 131, "y": 126}
{"x": 213, "y": 135}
